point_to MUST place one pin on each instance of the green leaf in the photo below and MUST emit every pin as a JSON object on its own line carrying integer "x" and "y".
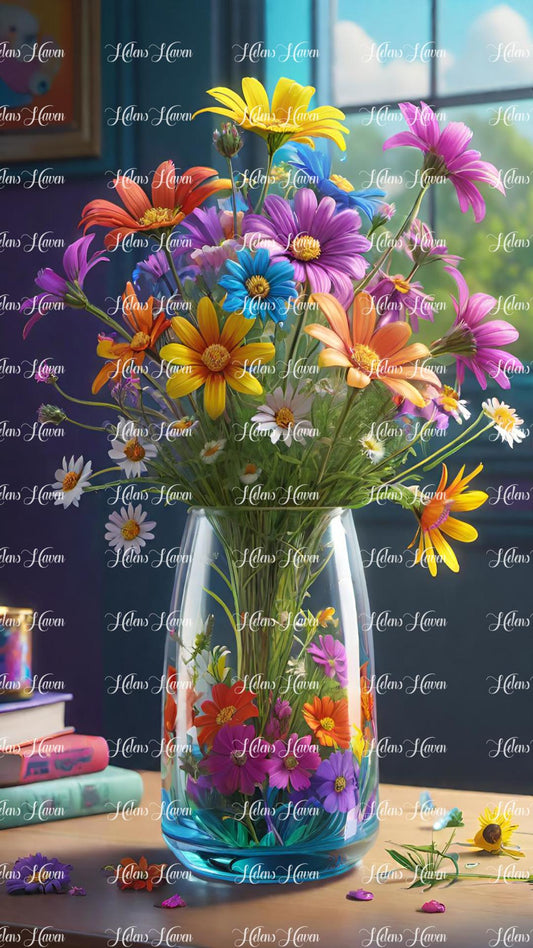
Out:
{"x": 404, "y": 861}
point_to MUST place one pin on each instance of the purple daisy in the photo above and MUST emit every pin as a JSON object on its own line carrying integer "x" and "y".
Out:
{"x": 293, "y": 763}
{"x": 58, "y": 289}
{"x": 447, "y": 155}
{"x": 396, "y": 297}
{"x": 475, "y": 343}
{"x": 335, "y": 782}
{"x": 323, "y": 244}
{"x": 38, "y": 873}
{"x": 331, "y": 654}
{"x": 239, "y": 761}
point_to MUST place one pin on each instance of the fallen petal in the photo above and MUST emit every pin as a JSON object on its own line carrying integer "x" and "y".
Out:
{"x": 175, "y": 901}
{"x": 77, "y": 890}
{"x": 360, "y": 895}
{"x": 433, "y": 906}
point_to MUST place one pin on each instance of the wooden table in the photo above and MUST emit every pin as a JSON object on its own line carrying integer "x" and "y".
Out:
{"x": 225, "y": 916}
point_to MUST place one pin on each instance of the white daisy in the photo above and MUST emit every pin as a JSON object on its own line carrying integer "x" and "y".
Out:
{"x": 70, "y": 481}
{"x": 129, "y": 529}
{"x": 211, "y": 450}
{"x": 372, "y": 447}
{"x": 129, "y": 453}
{"x": 283, "y": 416}
{"x": 450, "y": 402}
{"x": 506, "y": 421}
{"x": 250, "y": 474}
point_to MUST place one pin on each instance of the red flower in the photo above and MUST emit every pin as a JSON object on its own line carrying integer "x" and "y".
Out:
{"x": 139, "y": 875}
{"x": 228, "y": 706}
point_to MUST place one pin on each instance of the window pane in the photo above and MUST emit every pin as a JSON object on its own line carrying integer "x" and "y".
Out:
{"x": 377, "y": 57}
{"x": 488, "y": 46}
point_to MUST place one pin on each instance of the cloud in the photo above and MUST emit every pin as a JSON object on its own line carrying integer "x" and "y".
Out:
{"x": 498, "y": 53}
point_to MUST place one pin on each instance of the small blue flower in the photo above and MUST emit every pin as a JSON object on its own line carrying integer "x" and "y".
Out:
{"x": 315, "y": 168}
{"x": 258, "y": 287}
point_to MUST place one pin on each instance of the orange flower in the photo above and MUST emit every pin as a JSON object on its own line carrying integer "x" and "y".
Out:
{"x": 329, "y": 721}
{"x": 367, "y": 698}
{"x": 228, "y": 706}
{"x": 139, "y": 875}
{"x": 146, "y": 332}
{"x": 173, "y": 198}
{"x": 368, "y": 354}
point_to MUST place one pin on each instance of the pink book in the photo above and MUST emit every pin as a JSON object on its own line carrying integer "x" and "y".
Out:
{"x": 61, "y": 755}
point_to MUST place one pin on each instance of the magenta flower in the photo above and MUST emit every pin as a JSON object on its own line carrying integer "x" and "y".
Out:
{"x": 335, "y": 782}
{"x": 323, "y": 244}
{"x": 278, "y": 722}
{"x": 293, "y": 763}
{"x": 447, "y": 155}
{"x": 43, "y": 373}
{"x": 238, "y": 761}
{"x": 396, "y": 298}
{"x": 419, "y": 244}
{"x": 58, "y": 289}
{"x": 331, "y": 654}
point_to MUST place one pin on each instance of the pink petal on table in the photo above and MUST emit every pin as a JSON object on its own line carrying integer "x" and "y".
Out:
{"x": 360, "y": 895}
{"x": 433, "y": 906}
{"x": 175, "y": 901}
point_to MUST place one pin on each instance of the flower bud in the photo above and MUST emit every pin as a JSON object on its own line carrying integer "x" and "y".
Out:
{"x": 228, "y": 141}
{"x": 50, "y": 415}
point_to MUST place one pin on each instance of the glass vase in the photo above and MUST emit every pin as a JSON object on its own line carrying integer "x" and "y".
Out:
{"x": 269, "y": 764}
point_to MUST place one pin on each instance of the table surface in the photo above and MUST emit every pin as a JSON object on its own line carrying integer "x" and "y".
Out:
{"x": 220, "y": 915}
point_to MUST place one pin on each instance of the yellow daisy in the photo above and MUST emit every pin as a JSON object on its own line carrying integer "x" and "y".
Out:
{"x": 494, "y": 833}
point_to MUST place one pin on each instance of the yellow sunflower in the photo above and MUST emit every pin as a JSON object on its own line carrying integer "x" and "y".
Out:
{"x": 494, "y": 833}
{"x": 287, "y": 118}
{"x": 214, "y": 357}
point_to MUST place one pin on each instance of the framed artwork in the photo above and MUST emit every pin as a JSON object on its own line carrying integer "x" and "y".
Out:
{"x": 49, "y": 79}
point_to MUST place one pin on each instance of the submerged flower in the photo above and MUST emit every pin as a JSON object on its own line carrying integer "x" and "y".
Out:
{"x": 285, "y": 119}
{"x": 293, "y": 763}
{"x": 130, "y": 453}
{"x": 131, "y": 874}
{"x": 174, "y": 196}
{"x": 447, "y": 155}
{"x": 372, "y": 447}
{"x": 396, "y": 297}
{"x": 506, "y": 421}
{"x": 228, "y": 705}
{"x": 38, "y": 874}
{"x": 370, "y": 354}
{"x": 331, "y": 655}
{"x": 129, "y": 529}
{"x": 256, "y": 286}
{"x": 67, "y": 289}
{"x": 283, "y": 415}
{"x": 323, "y": 244}
{"x": 315, "y": 168}
{"x": 328, "y": 719}
{"x": 435, "y": 519}
{"x": 249, "y": 474}
{"x": 495, "y": 833}
{"x": 335, "y": 783}
{"x": 211, "y": 450}
{"x": 238, "y": 760}
{"x": 214, "y": 357}
{"x": 70, "y": 481}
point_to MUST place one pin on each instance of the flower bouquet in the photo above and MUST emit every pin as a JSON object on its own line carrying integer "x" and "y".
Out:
{"x": 265, "y": 372}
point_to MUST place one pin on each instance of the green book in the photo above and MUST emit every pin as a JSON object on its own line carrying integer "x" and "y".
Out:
{"x": 69, "y": 797}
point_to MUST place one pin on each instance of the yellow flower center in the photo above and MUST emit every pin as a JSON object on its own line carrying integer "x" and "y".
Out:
{"x": 182, "y": 424}
{"x": 504, "y": 418}
{"x": 340, "y": 784}
{"x": 342, "y": 183}
{"x": 225, "y": 714}
{"x": 216, "y": 357}
{"x": 133, "y": 450}
{"x": 291, "y": 762}
{"x": 401, "y": 285}
{"x": 140, "y": 340}
{"x": 70, "y": 480}
{"x": 492, "y": 833}
{"x": 327, "y": 724}
{"x": 250, "y": 469}
{"x": 284, "y": 417}
{"x": 258, "y": 286}
{"x": 449, "y": 399}
{"x": 39, "y": 876}
{"x": 130, "y": 530}
{"x": 209, "y": 452}
{"x": 364, "y": 358}
{"x": 305, "y": 248}
{"x": 157, "y": 216}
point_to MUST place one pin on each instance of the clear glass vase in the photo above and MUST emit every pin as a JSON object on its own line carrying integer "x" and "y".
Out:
{"x": 269, "y": 763}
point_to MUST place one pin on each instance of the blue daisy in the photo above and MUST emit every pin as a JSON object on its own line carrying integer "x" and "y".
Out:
{"x": 315, "y": 167}
{"x": 258, "y": 287}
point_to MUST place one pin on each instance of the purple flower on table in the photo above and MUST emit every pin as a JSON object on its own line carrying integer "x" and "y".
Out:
{"x": 322, "y": 243}
{"x": 68, "y": 289}
{"x": 397, "y": 298}
{"x": 335, "y": 782}
{"x": 238, "y": 761}
{"x": 278, "y": 723}
{"x": 293, "y": 763}
{"x": 38, "y": 873}
{"x": 447, "y": 155}
{"x": 331, "y": 655}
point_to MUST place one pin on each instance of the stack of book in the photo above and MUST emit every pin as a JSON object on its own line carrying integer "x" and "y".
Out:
{"x": 48, "y": 772}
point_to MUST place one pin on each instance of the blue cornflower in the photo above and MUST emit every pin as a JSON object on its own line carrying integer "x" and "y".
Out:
{"x": 315, "y": 167}
{"x": 258, "y": 287}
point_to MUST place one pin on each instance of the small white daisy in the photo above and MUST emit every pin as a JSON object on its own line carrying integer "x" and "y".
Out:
{"x": 283, "y": 415}
{"x": 211, "y": 450}
{"x": 129, "y": 453}
{"x": 506, "y": 421}
{"x": 250, "y": 474}
{"x": 372, "y": 447}
{"x": 451, "y": 403}
{"x": 129, "y": 529}
{"x": 70, "y": 481}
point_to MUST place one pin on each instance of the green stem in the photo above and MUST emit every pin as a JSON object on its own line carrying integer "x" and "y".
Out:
{"x": 105, "y": 470}
{"x": 80, "y": 424}
{"x": 436, "y": 454}
{"x": 95, "y": 311}
{"x": 82, "y": 401}
{"x": 173, "y": 270}
{"x": 264, "y": 190}
{"x": 386, "y": 253}
{"x": 233, "y": 195}
{"x": 342, "y": 418}
{"x": 463, "y": 444}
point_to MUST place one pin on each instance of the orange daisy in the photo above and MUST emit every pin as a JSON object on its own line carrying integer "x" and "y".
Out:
{"x": 369, "y": 354}
{"x": 139, "y": 875}
{"x": 146, "y": 332}
{"x": 174, "y": 196}
{"x": 329, "y": 721}
{"x": 228, "y": 705}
